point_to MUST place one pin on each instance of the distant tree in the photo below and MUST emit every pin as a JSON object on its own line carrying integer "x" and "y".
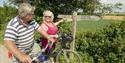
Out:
{"x": 108, "y": 8}
{"x": 118, "y": 5}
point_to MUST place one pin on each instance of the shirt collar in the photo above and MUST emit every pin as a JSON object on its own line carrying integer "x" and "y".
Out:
{"x": 21, "y": 22}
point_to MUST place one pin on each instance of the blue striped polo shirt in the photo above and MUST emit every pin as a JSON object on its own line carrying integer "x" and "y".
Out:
{"x": 23, "y": 36}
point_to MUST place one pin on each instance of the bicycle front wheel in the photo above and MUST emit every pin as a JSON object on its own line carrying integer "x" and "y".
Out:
{"x": 68, "y": 56}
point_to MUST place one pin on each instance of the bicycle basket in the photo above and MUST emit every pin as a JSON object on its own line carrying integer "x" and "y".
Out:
{"x": 66, "y": 37}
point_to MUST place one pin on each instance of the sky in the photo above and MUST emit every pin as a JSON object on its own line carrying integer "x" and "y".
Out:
{"x": 114, "y": 2}
{"x": 102, "y": 1}
{"x": 2, "y": 2}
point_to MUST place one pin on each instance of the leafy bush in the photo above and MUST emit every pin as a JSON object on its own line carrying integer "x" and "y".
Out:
{"x": 6, "y": 13}
{"x": 104, "y": 46}
{"x": 65, "y": 27}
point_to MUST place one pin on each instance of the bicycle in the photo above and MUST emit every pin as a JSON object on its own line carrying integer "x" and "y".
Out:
{"x": 64, "y": 55}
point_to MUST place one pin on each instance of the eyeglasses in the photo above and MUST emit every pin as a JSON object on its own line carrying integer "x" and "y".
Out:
{"x": 31, "y": 14}
{"x": 47, "y": 16}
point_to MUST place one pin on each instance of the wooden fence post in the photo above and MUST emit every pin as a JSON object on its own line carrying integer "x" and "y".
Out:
{"x": 74, "y": 19}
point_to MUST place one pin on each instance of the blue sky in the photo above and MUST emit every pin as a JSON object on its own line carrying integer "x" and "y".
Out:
{"x": 103, "y": 1}
{"x": 2, "y": 2}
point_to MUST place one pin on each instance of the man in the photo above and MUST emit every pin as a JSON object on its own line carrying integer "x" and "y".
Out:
{"x": 19, "y": 34}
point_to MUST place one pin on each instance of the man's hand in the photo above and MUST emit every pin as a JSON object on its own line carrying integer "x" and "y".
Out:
{"x": 16, "y": 52}
{"x": 25, "y": 58}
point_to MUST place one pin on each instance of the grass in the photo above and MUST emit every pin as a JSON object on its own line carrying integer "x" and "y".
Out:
{"x": 93, "y": 26}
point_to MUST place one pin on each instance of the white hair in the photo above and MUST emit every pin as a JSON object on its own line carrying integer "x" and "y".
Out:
{"x": 48, "y": 13}
{"x": 24, "y": 9}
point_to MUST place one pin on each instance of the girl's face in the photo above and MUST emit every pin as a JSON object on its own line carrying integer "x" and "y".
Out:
{"x": 48, "y": 18}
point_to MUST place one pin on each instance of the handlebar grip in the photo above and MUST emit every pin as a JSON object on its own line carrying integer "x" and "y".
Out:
{"x": 40, "y": 58}
{"x": 35, "y": 55}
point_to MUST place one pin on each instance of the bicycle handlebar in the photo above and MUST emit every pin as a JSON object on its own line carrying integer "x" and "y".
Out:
{"x": 36, "y": 55}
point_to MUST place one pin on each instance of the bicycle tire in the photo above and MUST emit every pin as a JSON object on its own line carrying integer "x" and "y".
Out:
{"x": 65, "y": 57}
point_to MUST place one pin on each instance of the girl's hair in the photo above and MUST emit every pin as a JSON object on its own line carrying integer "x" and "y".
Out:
{"x": 48, "y": 13}
{"x": 24, "y": 9}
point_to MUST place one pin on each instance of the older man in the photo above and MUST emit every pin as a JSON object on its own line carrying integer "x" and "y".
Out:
{"x": 19, "y": 34}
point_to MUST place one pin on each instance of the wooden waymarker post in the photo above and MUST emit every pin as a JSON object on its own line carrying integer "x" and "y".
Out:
{"x": 74, "y": 19}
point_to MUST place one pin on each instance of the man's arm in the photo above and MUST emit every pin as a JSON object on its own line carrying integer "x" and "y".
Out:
{"x": 45, "y": 34}
{"x": 16, "y": 52}
{"x": 12, "y": 47}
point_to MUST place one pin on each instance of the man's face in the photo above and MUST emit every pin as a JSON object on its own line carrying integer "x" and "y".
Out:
{"x": 30, "y": 16}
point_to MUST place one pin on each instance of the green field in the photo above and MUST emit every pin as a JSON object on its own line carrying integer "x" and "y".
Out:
{"x": 84, "y": 26}
{"x": 93, "y": 26}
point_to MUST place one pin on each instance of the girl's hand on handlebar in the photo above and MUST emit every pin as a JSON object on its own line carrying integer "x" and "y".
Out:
{"x": 51, "y": 39}
{"x": 54, "y": 36}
